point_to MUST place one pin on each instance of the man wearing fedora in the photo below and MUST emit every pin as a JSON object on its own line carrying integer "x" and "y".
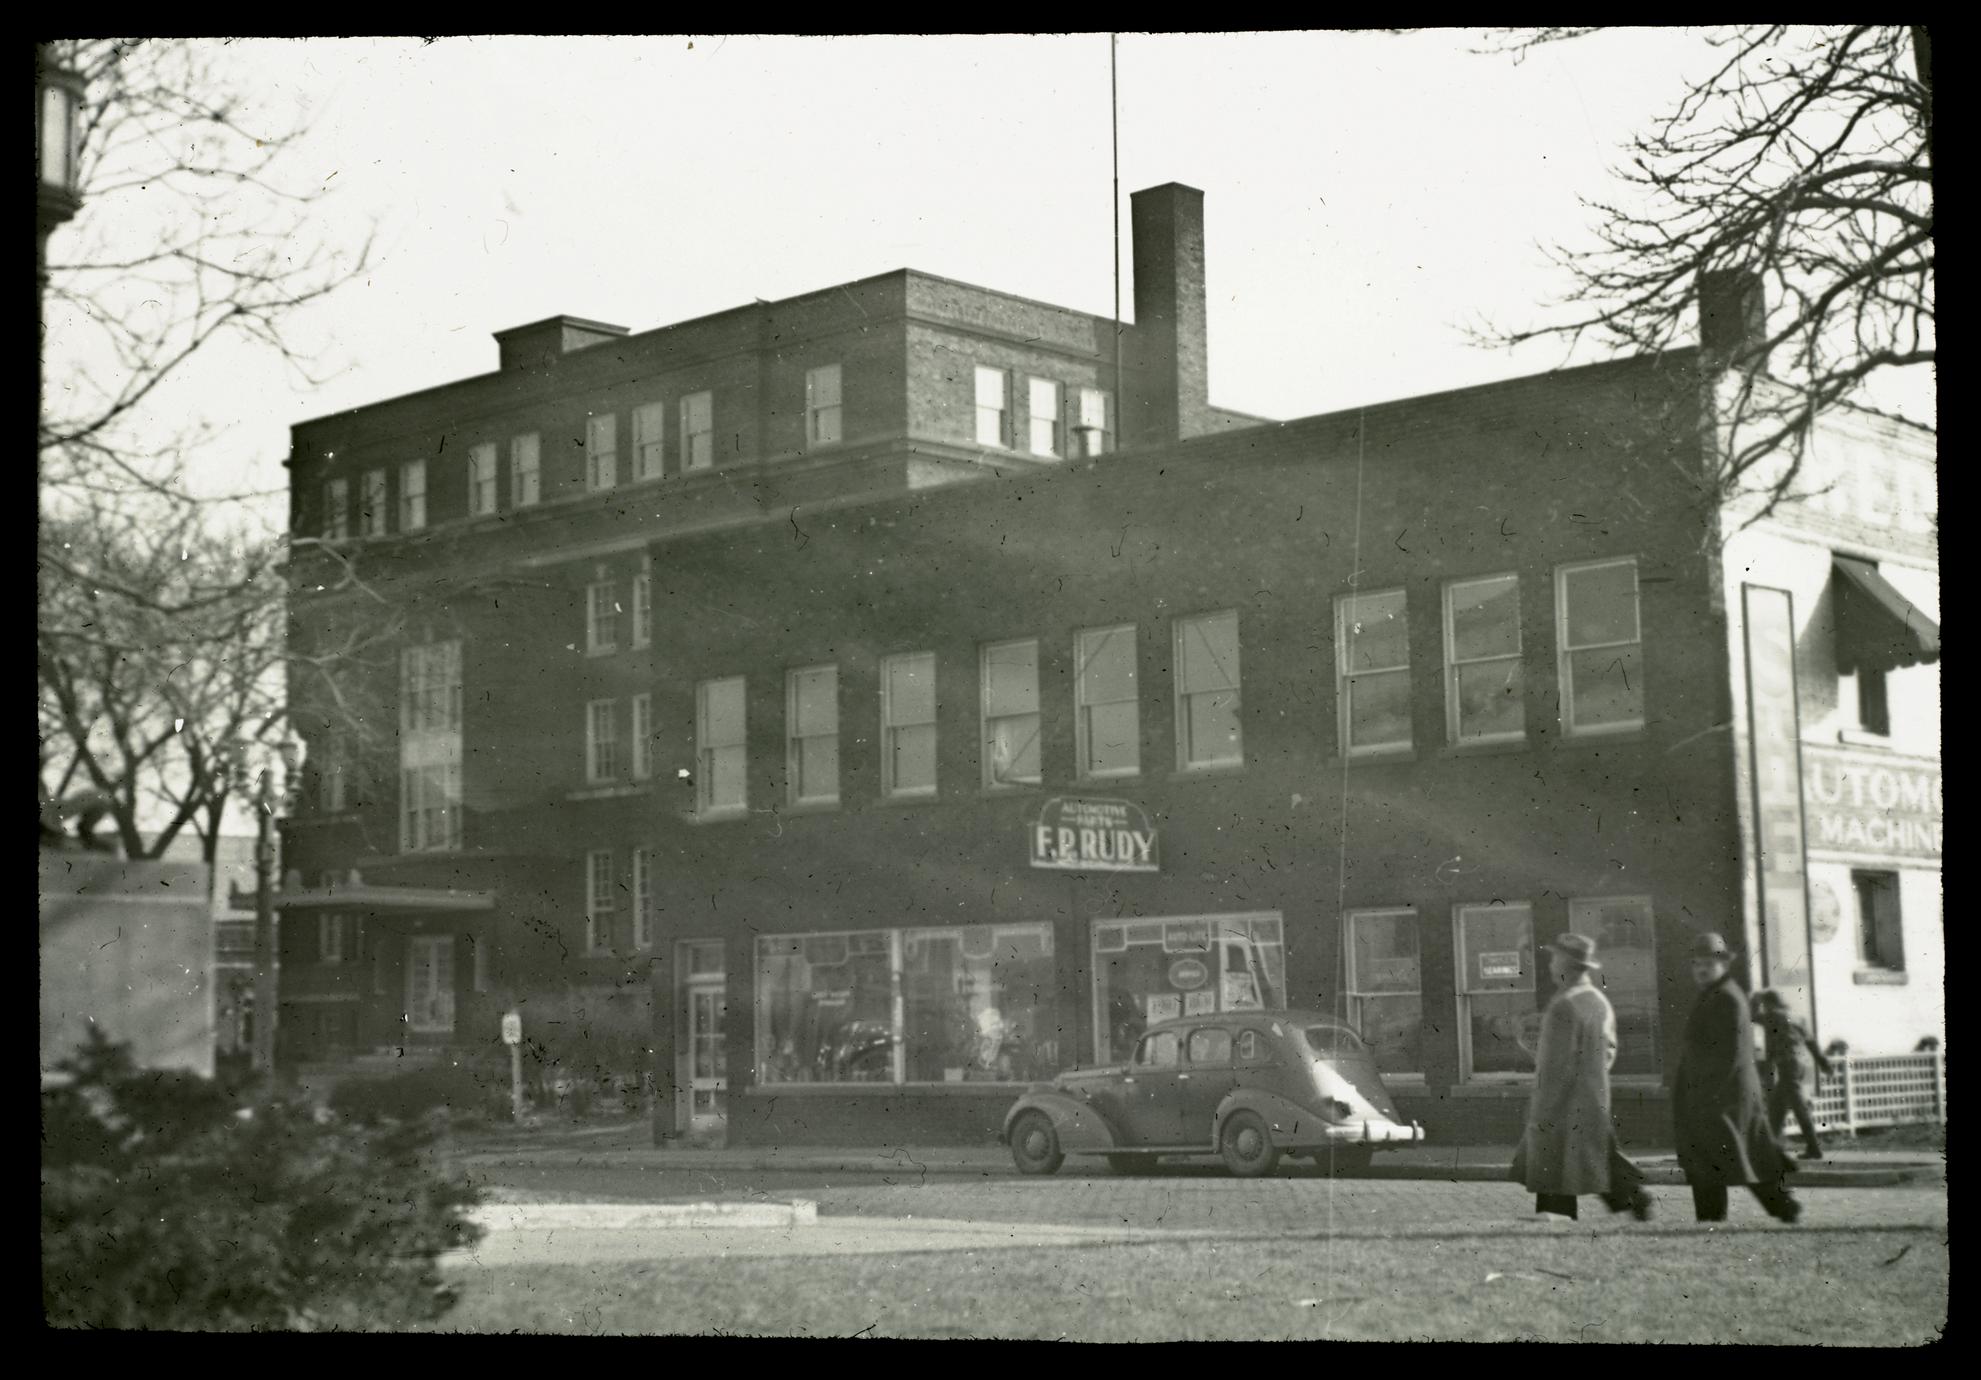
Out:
{"x": 1569, "y": 1145}
{"x": 1718, "y": 1115}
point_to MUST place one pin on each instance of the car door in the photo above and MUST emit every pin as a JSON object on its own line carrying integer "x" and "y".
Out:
{"x": 1151, "y": 1093}
{"x": 1207, "y": 1077}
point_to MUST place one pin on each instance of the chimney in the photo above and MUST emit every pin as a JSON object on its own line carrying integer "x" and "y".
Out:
{"x": 1733, "y": 318}
{"x": 540, "y": 342}
{"x": 1166, "y": 394}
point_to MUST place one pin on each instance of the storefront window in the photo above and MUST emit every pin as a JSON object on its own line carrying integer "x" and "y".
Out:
{"x": 1497, "y": 1020}
{"x": 1623, "y": 930}
{"x": 1146, "y": 971}
{"x": 1386, "y": 987}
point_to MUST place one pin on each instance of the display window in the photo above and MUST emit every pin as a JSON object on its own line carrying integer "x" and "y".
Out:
{"x": 1498, "y": 1021}
{"x": 1153, "y": 970}
{"x": 1386, "y": 987}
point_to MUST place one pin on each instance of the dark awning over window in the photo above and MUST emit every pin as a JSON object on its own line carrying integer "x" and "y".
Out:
{"x": 1878, "y": 629}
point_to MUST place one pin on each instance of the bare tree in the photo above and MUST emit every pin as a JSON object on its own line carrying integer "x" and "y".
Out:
{"x": 1802, "y": 163}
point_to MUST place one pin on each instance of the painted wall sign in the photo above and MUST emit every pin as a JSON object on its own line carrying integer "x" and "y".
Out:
{"x": 1500, "y": 965}
{"x": 1868, "y": 805}
{"x": 1775, "y": 730}
{"x": 1079, "y": 835}
{"x": 1188, "y": 974}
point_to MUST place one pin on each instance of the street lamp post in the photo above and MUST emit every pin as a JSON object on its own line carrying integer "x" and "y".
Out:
{"x": 58, "y": 97}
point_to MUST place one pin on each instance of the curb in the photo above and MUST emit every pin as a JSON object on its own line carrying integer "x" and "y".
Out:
{"x": 642, "y": 1216}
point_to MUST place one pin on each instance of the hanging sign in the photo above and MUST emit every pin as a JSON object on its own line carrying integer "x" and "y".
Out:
{"x": 1079, "y": 835}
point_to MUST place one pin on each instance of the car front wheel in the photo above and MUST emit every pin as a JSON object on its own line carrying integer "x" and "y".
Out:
{"x": 1247, "y": 1145}
{"x": 1035, "y": 1145}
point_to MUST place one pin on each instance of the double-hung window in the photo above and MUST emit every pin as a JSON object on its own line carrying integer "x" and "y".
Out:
{"x": 698, "y": 431}
{"x": 602, "y": 617}
{"x": 1011, "y": 713}
{"x": 1208, "y": 733}
{"x": 993, "y": 407}
{"x": 1372, "y": 672}
{"x": 412, "y": 496}
{"x": 601, "y": 741}
{"x": 907, "y": 724}
{"x": 430, "y": 747}
{"x": 337, "y": 510}
{"x": 601, "y": 900}
{"x": 525, "y": 471}
{"x": 642, "y": 736}
{"x": 822, "y": 411}
{"x": 1498, "y": 1021}
{"x": 1601, "y": 647}
{"x": 1093, "y": 427}
{"x": 1485, "y": 693}
{"x": 1107, "y": 725}
{"x": 1386, "y": 987}
{"x": 720, "y": 782}
{"x": 372, "y": 511}
{"x": 649, "y": 438}
{"x": 481, "y": 480}
{"x": 643, "y": 898}
{"x": 812, "y": 735}
{"x": 642, "y": 609}
{"x": 601, "y": 452}
{"x": 1043, "y": 418}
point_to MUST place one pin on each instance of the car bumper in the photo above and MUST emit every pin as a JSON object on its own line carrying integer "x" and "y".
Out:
{"x": 1378, "y": 1133}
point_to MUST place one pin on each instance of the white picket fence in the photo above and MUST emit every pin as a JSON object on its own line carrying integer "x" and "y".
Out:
{"x": 1866, "y": 1090}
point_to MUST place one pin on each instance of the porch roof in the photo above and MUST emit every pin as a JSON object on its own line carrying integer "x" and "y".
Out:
{"x": 403, "y": 900}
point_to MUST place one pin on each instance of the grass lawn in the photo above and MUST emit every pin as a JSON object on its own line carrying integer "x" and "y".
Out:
{"x": 1836, "y": 1288}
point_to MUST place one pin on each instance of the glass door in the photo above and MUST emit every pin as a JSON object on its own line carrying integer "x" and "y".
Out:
{"x": 430, "y": 984}
{"x": 703, "y": 1059}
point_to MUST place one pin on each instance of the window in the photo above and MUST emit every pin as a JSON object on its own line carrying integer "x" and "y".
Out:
{"x": 601, "y": 741}
{"x": 642, "y": 736}
{"x": 1011, "y": 713}
{"x": 1163, "y": 1050}
{"x": 481, "y": 481}
{"x": 601, "y": 902}
{"x": 372, "y": 511}
{"x": 601, "y": 452}
{"x": 525, "y": 471}
{"x": 642, "y": 609}
{"x": 1880, "y": 929}
{"x": 1208, "y": 733}
{"x": 643, "y": 898}
{"x": 811, "y": 714}
{"x": 337, "y": 939}
{"x": 649, "y": 435}
{"x": 480, "y": 948}
{"x": 719, "y": 750}
{"x": 1602, "y": 674}
{"x": 1386, "y": 987}
{"x": 1874, "y": 710}
{"x": 822, "y": 413}
{"x": 337, "y": 510}
{"x": 1210, "y": 1047}
{"x": 1094, "y": 428}
{"x": 1625, "y": 936}
{"x": 1498, "y": 1019}
{"x": 602, "y": 617}
{"x": 1372, "y": 672}
{"x": 1043, "y": 423}
{"x": 907, "y": 724}
{"x": 1149, "y": 971}
{"x": 412, "y": 496}
{"x": 697, "y": 431}
{"x": 430, "y": 813}
{"x": 430, "y": 689}
{"x": 993, "y": 403}
{"x": 974, "y": 1003}
{"x": 331, "y": 781}
{"x": 1483, "y": 691}
{"x": 1107, "y": 723}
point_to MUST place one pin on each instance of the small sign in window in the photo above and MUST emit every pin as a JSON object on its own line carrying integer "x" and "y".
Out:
{"x": 1506, "y": 965}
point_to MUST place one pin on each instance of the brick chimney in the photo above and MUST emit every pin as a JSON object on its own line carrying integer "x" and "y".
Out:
{"x": 1166, "y": 394}
{"x": 1733, "y": 318}
{"x": 524, "y": 347}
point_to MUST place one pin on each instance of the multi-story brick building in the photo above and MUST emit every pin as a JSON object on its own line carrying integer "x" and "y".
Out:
{"x": 823, "y": 679}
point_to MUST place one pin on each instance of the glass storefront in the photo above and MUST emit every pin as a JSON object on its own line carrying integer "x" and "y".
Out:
{"x": 1147, "y": 971}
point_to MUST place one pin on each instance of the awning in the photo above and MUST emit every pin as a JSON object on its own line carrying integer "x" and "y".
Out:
{"x": 1878, "y": 628}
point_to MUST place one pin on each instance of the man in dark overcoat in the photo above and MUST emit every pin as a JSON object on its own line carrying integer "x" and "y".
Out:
{"x": 1718, "y": 1114}
{"x": 1569, "y": 1145}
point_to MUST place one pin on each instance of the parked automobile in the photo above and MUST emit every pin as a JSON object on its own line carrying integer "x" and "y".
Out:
{"x": 1249, "y": 1085}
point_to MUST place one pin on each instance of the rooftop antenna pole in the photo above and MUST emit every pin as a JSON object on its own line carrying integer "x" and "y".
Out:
{"x": 1114, "y": 131}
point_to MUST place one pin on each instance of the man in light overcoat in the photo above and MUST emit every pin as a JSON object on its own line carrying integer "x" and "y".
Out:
{"x": 1569, "y": 1145}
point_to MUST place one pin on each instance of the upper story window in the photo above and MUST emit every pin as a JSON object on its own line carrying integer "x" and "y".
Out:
{"x": 649, "y": 434}
{"x": 1011, "y": 713}
{"x": 601, "y": 452}
{"x": 993, "y": 407}
{"x": 907, "y": 724}
{"x": 1094, "y": 428}
{"x": 642, "y": 736}
{"x": 525, "y": 471}
{"x": 642, "y": 609}
{"x": 337, "y": 510}
{"x": 698, "y": 431}
{"x": 1372, "y": 672}
{"x": 1485, "y": 700}
{"x": 337, "y": 939}
{"x": 720, "y": 781}
{"x": 601, "y": 741}
{"x": 601, "y": 899}
{"x": 1043, "y": 418}
{"x": 430, "y": 688}
{"x": 822, "y": 410}
{"x": 812, "y": 735}
{"x": 1601, "y": 647}
{"x": 1107, "y": 724}
{"x": 1208, "y": 733}
{"x": 601, "y": 617}
{"x": 412, "y": 496}
{"x": 372, "y": 509}
{"x": 481, "y": 480}
{"x": 430, "y": 747}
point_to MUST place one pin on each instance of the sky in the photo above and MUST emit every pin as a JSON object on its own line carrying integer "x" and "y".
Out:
{"x": 1368, "y": 196}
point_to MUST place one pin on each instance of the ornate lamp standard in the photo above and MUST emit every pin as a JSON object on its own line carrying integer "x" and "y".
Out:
{"x": 58, "y": 96}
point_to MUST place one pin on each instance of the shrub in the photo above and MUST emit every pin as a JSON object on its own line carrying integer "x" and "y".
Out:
{"x": 166, "y": 1206}
{"x": 466, "y": 1090}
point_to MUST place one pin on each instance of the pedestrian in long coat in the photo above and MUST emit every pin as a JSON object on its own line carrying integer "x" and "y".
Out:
{"x": 1719, "y": 1117}
{"x": 1569, "y": 1145}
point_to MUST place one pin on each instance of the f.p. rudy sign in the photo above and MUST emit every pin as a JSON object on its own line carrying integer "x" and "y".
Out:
{"x": 1079, "y": 835}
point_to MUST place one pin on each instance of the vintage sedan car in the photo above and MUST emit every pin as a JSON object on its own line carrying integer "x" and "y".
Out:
{"x": 1249, "y": 1085}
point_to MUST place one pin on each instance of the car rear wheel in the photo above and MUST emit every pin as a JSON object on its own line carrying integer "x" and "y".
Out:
{"x": 1035, "y": 1145}
{"x": 1247, "y": 1145}
{"x": 1131, "y": 1164}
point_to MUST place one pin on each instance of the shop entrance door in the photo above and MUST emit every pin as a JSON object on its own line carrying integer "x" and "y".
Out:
{"x": 430, "y": 984}
{"x": 703, "y": 1063}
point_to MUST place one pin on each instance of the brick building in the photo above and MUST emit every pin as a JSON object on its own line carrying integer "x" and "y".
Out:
{"x": 876, "y": 702}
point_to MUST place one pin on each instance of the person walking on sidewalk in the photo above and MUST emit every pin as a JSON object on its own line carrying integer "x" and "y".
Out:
{"x": 1789, "y": 1047}
{"x": 1719, "y": 1120}
{"x": 1569, "y": 1145}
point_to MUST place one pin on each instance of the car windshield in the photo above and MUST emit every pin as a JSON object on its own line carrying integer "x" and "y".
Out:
{"x": 1327, "y": 1040}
